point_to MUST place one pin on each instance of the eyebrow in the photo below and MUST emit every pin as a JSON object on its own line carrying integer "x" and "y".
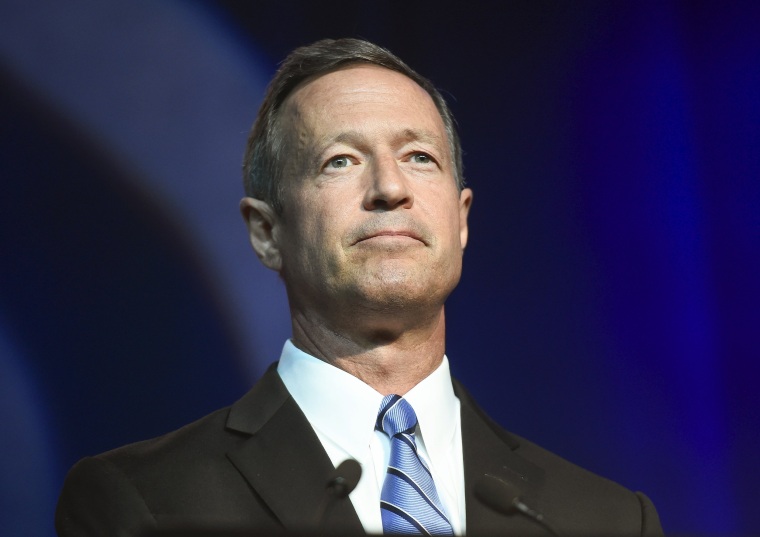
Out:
{"x": 412, "y": 135}
{"x": 357, "y": 139}
{"x": 407, "y": 135}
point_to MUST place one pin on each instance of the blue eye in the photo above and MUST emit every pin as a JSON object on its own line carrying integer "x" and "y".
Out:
{"x": 339, "y": 162}
{"x": 421, "y": 158}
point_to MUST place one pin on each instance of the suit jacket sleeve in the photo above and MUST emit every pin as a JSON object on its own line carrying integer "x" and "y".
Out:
{"x": 97, "y": 500}
{"x": 650, "y": 520}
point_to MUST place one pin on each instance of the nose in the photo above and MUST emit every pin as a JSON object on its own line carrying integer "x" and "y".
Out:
{"x": 388, "y": 187}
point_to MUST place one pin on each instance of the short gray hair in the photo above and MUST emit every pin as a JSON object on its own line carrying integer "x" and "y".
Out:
{"x": 263, "y": 161}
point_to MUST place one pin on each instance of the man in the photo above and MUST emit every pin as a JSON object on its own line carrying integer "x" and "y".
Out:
{"x": 355, "y": 197}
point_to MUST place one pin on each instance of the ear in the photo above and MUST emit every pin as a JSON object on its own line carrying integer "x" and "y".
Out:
{"x": 262, "y": 223}
{"x": 465, "y": 202}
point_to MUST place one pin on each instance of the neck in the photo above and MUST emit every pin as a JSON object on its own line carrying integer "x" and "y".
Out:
{"x": 389, "y": 357}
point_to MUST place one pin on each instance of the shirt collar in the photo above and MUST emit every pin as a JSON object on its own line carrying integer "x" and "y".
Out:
{"x": 344, "y": 408}
{"x": 437, "y": 410}
{"x": 337, "y": 404}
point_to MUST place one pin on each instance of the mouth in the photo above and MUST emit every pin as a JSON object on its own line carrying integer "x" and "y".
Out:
{"x": 391, "y": 235}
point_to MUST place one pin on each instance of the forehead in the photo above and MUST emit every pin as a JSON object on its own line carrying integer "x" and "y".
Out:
{"x": 362, "y": 95}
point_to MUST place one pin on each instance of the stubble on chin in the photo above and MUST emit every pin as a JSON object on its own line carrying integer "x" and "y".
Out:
{"x": 397, "y": 288}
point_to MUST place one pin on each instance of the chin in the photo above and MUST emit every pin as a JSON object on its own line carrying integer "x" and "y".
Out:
{"x": 404, "y": 292}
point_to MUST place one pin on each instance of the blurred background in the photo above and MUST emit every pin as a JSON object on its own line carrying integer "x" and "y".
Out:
{"x": 609, "y": 304}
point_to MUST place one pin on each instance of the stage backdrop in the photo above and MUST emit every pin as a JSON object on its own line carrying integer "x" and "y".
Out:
{"x": 609, "y": 304}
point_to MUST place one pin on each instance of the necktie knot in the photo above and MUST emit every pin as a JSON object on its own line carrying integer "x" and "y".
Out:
{"x": 396, "y": 416}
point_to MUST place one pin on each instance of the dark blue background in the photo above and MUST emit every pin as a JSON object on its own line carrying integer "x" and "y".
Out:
{"x": 609, "y": 304}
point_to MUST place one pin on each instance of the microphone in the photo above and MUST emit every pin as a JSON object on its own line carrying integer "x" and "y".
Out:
{"x": 505, "y": 498}
{"x": 342, "y": 481}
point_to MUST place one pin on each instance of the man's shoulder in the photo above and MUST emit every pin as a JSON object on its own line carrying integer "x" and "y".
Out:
{"x": 185, "y": 474}
{"x": 539, "y": 464}
{"x": 547, "y": 464}
{"x": 567, "y": 494}
{"x": 204, "y": 435}
{"x": 583, "y": 501}
{"x": 177, "y": 460}
{"x": 571, "y": 489}
{"x": 204, "y": 440}
{"x": 558, "y": 470}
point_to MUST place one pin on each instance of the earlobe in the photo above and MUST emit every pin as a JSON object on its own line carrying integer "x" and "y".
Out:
{"x": 262, "y": 223}
{"x": 465, "y": 202}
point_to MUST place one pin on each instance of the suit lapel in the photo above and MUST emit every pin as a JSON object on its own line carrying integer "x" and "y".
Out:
{"x": 283, "y": 460}
{"x": 488, "y": 449}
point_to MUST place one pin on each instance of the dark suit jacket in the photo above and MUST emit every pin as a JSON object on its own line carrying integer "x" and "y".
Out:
{"x": 259, "y": 464}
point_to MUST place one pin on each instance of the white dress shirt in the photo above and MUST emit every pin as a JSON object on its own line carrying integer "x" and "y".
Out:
{"x": 343, "y": 409}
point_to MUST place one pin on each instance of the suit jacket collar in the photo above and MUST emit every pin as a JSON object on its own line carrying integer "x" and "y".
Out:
{"x": 283, "y": 460}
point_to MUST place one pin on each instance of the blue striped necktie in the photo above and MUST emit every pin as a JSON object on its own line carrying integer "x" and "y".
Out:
{"x": 409, "y": 502}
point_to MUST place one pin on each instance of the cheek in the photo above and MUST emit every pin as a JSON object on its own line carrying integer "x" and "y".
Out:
{"x": 444, "y": 217}
{"x": 320, "y": 237}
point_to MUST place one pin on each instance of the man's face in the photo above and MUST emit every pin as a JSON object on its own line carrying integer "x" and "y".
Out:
{"x": 372, "y": 216}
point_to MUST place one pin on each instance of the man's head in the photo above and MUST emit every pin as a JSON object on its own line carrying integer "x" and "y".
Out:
{"x": 264, "y": 162}
{"x": 368, "y": 217}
